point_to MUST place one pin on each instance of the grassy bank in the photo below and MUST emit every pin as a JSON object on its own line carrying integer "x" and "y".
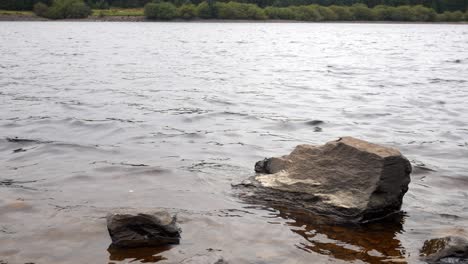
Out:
{"x": 118, "y": 12}
{"x": 16, "y": 13}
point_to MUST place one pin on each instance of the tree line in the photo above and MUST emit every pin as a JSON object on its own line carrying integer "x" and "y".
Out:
{"x": 439, "y": 6}
{"x": 313, "y": 12}
{"x": 62, "y": 9}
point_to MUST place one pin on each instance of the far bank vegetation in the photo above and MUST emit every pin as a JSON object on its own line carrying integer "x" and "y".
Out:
{"x": 63, "y": 9}
{"x": 161, "y": 10}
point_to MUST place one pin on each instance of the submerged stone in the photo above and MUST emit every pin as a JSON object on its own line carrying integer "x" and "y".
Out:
{"x": 349, "y": 179}
{"x": 210, "y": 258}
{"x": 133, "y": 229}
{"x": 450, "y": 249}
{"x": 314, "y": 122}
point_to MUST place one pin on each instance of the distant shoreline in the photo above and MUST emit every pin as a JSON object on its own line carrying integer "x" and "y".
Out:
{"x": 31, "y": 17}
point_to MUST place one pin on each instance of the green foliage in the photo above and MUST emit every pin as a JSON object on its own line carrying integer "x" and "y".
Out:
{"x": 323, "y": 13}
{"x": 451, "y": 5}
{"x": 160, "y": 11}
{"x": 405, "y": 13}
{"x": 205, "y": 10}
{"x": 439, "y": 6}
{"x": 451, "y": 16}
{"x": 402, "y": 13}
{"x": 126, "y": 3}
{"x": 235, "y": 10}
{"x": 343, "y": 13}
{"x": 327, "y": 13}
{"x": 78, "y": 10}
{"x": 55, "y": 12}
{"x": 187, "y": 11}
{"x": 280, "y": 13}
{"x": 362, "y": 12}
{"x": 40, "y": 9}
{"x": 422, "y": 13}
{"x": 384, "y": 13}
{"x": 98, "y": 4}
{"x": 306, "y": 13}
{"x": 62, "y": 9}
{"x": 21, "y": 4}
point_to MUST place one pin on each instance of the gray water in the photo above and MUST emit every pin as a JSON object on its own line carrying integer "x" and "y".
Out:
{"x": 98, "y": 116}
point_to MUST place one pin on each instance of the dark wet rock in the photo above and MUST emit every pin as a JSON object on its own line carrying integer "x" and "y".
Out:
{"x": 314, "y": 122}
{"x": 19, "y": 140}
{"x": 450, "y": 249}
{"x": 132, "y": 229}
{"x": 262, "y": 166}
{"x": 15, "y": 184}
{"x": 26, "y": 140}
{"x": 349, "y": 179}
{"x": 19, "y": 150}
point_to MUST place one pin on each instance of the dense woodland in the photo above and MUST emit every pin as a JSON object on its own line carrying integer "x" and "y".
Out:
{"x": 438, "y": 5}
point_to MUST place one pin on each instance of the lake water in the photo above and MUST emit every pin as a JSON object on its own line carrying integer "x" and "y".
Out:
{"x": 97, "y": 116}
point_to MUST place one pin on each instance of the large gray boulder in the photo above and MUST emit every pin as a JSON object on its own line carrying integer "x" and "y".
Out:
{"x": 445, "y": 250}
{"x": 349, "y": 179}
{"x": 132, "y": 229}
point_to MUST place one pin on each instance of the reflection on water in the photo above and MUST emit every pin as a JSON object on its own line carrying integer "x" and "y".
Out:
{"x": 99, "y": 116}
{"x": 374, "y": 242}
{"x": 144, "y": 255}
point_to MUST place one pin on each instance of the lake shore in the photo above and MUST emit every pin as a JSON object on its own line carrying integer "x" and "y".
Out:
{"x": 98, "y": 118}
{"x": 29, "y": 16}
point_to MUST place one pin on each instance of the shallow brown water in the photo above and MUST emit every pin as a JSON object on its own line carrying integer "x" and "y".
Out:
{"x": 98, "y": 116}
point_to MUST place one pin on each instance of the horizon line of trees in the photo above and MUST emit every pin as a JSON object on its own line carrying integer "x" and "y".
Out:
{"x": 439, "y": 6}
{"x": 62, "y": 9}
{"x": 316, "y": 13}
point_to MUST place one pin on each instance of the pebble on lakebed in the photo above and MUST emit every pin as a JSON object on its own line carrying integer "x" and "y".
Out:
{"x": 445, "y": 250}
{"x": 348, "y": 179}
{"x": 131, "y": 229}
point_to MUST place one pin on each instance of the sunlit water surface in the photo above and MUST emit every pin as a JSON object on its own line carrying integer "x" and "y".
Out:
{"x": 169, "y": 115}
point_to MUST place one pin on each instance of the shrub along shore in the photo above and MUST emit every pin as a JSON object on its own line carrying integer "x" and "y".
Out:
{"x": 72, "y": 9}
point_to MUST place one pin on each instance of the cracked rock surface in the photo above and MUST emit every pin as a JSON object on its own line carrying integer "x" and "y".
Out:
{"x": 349, "y": 179}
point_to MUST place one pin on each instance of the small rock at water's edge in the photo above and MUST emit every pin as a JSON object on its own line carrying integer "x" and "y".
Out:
{"x": 136, "y": 229}
{"x": 450, "y": 249}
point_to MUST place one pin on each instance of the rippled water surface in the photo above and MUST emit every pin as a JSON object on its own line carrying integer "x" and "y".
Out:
{"x": 98, "y": 116}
